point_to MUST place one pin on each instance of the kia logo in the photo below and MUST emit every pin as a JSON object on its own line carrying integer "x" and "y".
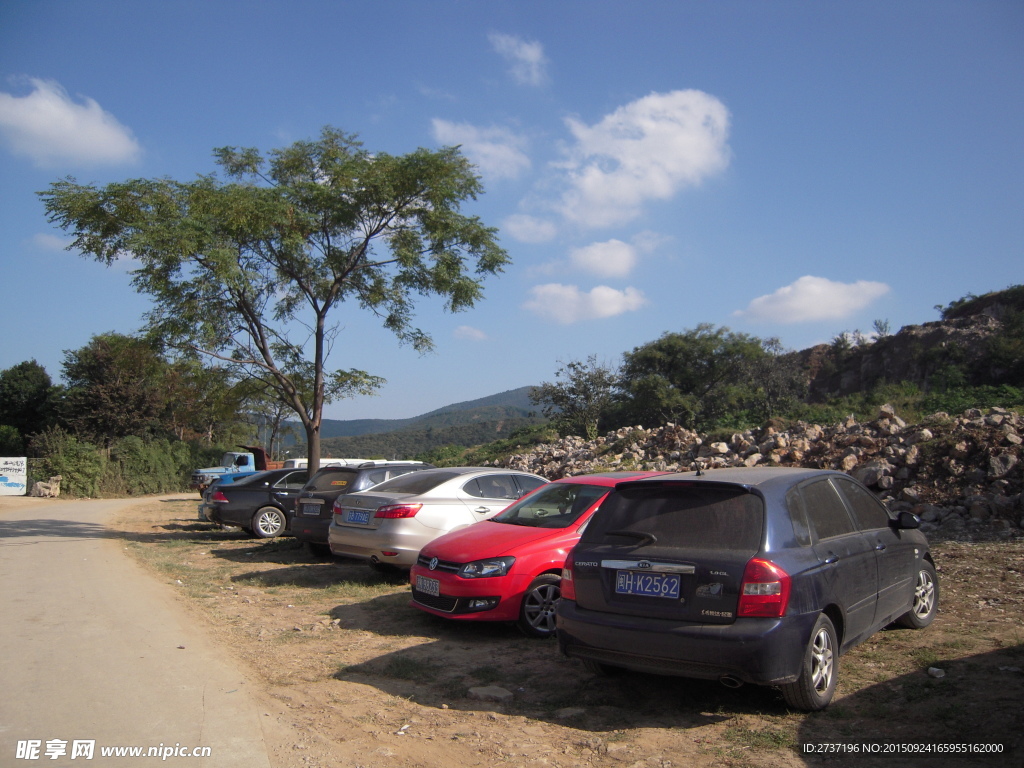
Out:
{"x": 644, "y": 564}
{"x": 433, "y": 563}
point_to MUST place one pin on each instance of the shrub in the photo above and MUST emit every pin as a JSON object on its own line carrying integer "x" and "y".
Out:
{"x": 59, "y": 453}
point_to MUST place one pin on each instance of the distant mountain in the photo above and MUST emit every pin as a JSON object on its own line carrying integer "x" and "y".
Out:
{"x": 511, "y": 405}
{"x": 465, "y": 424}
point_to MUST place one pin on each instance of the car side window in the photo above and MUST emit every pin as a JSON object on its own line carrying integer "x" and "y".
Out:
{"x": 798, "y": 516}
{"x": 867, "y": 510}
{"x": 826, "y": 512}
{"x": 293, "y": 481}
{"x": 527, "y": 483}
{"x": 492, "y": 487}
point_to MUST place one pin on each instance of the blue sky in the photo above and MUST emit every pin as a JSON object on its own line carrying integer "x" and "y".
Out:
{"x": 785, "y": 169}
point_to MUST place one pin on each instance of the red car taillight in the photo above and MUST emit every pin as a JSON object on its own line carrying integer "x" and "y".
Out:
{"x": 398, "y": 510}
{"x": 218, "y": 497}
{"x": 568, "y": 586}
{"x": 764, "y": 591}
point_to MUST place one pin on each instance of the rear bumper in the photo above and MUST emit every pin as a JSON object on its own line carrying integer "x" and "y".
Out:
{"x": 758, "y": 651}
{"x": 311, "y": 529}
{"x": 348, "y": 541}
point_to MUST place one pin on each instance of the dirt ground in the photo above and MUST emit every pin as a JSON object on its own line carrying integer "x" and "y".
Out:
{"x": 367, "y": 681}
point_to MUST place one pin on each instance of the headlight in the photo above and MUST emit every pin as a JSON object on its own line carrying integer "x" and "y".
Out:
{"x": 481, "y": 569}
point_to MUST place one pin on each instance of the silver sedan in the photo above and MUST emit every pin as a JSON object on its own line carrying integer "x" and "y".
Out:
{"x": 390, "y": 523}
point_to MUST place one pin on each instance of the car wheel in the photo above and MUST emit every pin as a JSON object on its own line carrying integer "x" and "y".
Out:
{"x": 537, "y": 613}
{"x": 926, "y": 599}
{"x": 819, "y": 671}
{"x": 268, "y": 522}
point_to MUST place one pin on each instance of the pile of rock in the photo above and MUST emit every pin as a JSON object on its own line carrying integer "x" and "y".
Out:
{"x": 962, "y": 475}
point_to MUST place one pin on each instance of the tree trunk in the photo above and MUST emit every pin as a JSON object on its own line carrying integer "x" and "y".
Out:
{"x": 312, "y": 448}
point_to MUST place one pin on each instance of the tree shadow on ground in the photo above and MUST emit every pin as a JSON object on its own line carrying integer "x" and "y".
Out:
{"x": 976, "y": 701}
{"x": 548, "y": 687}
{"x": 49, "y": 527}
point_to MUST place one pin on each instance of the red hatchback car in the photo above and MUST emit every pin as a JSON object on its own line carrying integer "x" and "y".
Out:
{"x": 509, "y": 568}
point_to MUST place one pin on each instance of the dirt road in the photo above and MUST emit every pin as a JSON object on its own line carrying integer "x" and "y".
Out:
{"x": 95, "y": 650}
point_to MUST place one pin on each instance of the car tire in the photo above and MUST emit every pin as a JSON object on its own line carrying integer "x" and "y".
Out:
{"x": 819, "y": 670}
{"x": 926, "y": 599}
{"x": 268, "y": 523}
{"x": 537, "y": 612}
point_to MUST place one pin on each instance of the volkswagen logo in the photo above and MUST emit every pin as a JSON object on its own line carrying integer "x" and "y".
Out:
{"x": 433, "y": 563}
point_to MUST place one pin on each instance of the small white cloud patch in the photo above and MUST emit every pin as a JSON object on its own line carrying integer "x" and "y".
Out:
{"x": 470, "y": 333}
{"x": 527, "y": 59}
{"x": 613, "y": 258}
{"x": 51, "y": 129}
{"x": 646, "y": 150}
{"x": 529, "y": 229}
{"x": 811, "y": 299}
{"x": 568, "y": 304}
{"x": 497, "y": 152}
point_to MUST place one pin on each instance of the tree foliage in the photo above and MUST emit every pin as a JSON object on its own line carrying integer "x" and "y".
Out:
{"x": 580, "y": 396}
{"x": 250, "y": 269}
{"x": 26, "y": 401}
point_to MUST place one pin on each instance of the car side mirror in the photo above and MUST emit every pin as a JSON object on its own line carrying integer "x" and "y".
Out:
{"x": 907, "y": 520}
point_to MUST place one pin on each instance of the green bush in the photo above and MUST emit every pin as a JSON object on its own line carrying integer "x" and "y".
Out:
{"x": 79, "y": 464}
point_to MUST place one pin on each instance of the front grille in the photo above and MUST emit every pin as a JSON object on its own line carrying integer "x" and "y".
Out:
{"x": 442, "y": 565}
{"x": 442, "y": 603}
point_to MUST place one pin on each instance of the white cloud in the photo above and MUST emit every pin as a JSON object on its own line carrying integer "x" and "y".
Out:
{"x": 529, "y": 64}
{"x": 613, "y": 258}
{"x": 529, "y": 229}
{"x": 646, "y": 150}
{"x": 568, "y": 304}
{"x": 47, "y": 126}
{"x": 470, "y": 333}
{"x": 497, "y": 152}
{"x": 811, "y": 299}
{"x": 48, "y": 242}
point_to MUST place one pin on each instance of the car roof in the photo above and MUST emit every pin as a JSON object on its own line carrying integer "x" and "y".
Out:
{"x": 768, "y": 480}
{"x": 608, "y": 479}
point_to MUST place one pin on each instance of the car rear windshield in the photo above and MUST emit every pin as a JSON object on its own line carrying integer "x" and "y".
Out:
{"x": 685, "y": 515}
{"x": 415, "y": 482}
{"x": 333, "y": 479}
{"x": 557, "y": 505}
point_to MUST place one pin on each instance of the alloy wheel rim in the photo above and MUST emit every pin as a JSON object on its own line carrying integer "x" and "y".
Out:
{"x": 822, "y": 661}
{"x": 924, "y": 594}
{"x": 540, "y": 606}
{"x": 270, "y": 523}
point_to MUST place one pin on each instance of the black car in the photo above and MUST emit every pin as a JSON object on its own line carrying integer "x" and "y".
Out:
{"x": 310, "y": 518}
{"x": 760, "y": 575}
{"x": 256, "y": 503}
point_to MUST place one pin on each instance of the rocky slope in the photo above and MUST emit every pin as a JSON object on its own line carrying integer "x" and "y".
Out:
{"x": 962, "y": 475}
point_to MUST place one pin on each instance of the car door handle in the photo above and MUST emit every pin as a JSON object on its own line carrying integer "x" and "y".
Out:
{"x": 879, "y": 547}
{"x": 482, "y": 510}
{"x": 832, "y": 558}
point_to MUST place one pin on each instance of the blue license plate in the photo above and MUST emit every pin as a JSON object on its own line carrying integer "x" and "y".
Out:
{"x": 647, "y": 584}
{"x": 354, "y": 516}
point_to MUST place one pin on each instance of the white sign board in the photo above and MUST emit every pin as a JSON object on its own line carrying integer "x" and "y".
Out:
{"x": 13, "y": 476}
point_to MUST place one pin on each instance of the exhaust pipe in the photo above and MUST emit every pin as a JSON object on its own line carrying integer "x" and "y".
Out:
{"x": 730, "y": 682}
{"x": 374, "y": 559}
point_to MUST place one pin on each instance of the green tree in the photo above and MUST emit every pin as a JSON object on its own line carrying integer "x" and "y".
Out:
{"x": 580, "y": 396}
{"x": 114, "y": 388}
{"x": 249, "y": 270}
{"x": 693, "y": 378}
{"x": 26, "y": 400}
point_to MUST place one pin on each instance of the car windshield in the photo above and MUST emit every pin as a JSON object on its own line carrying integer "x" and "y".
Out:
{"x": 332, "y": 480}
{"x": 556, "y": 505}
{"x": 415, "y": 482}
{"x": 689, "y": 515}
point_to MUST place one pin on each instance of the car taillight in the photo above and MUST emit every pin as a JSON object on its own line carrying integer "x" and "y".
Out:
{"x": 764, "y": 591}
{"x": 398, "y": 510}
{"x": 217, "y": 496}
{"x": 568, "y": 586}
